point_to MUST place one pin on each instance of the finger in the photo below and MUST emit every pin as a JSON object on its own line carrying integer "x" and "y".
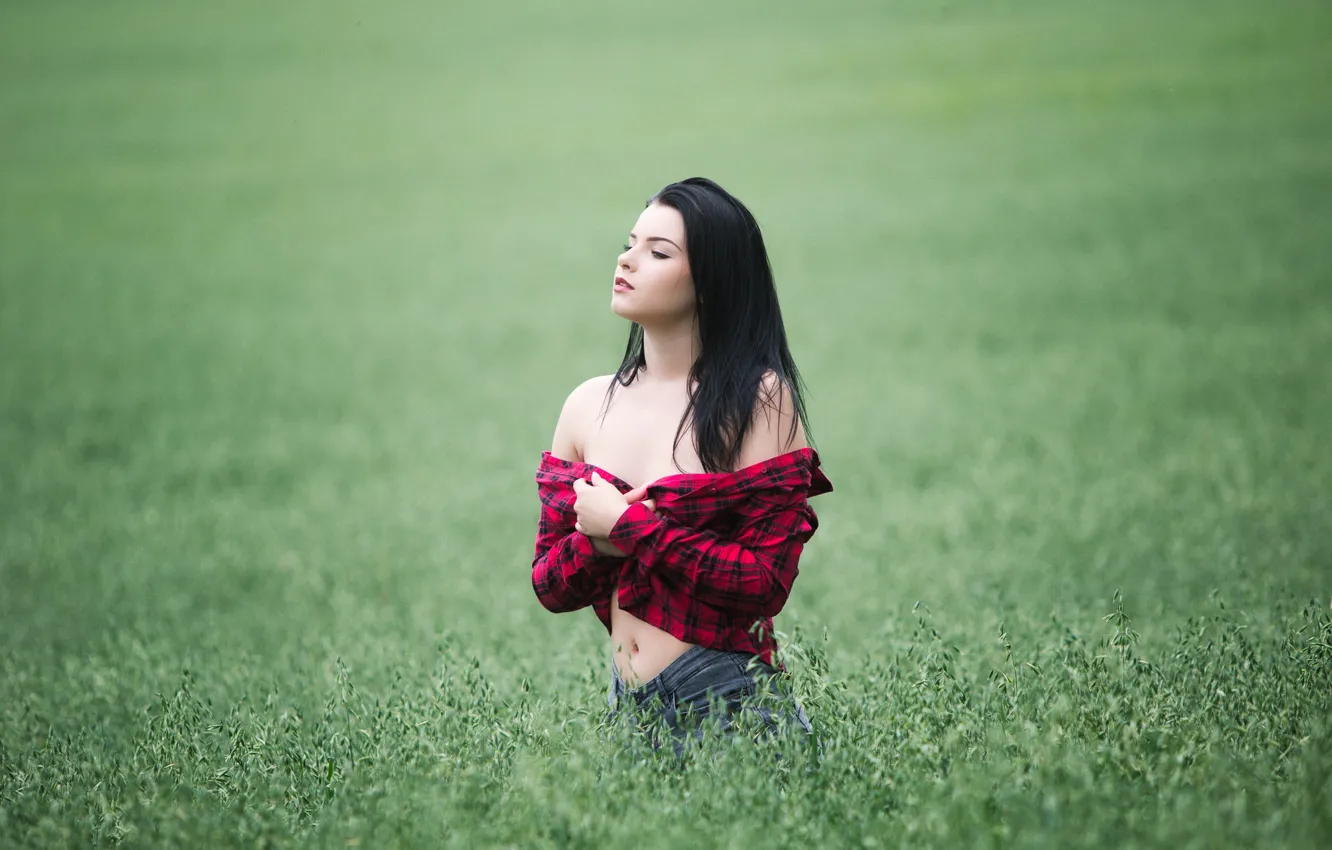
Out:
{"x": 650, "y": 504}
{"x": 635, "y": 494}
{"x": 578, "y": 527}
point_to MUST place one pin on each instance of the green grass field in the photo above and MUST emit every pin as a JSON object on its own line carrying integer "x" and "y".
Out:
{"x": 291, "y": 294}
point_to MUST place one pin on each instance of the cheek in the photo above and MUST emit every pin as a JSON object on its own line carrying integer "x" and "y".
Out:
{"x": 682, "y": 291}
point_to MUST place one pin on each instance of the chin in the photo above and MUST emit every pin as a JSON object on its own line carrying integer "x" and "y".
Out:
{"x": 624, "y": 311}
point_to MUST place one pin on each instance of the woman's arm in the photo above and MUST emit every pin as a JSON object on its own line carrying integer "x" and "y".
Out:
{"x": 568, "y": 570}
{"x": 750, "y": 571}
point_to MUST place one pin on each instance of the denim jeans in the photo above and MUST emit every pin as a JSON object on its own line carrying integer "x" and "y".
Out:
{"x": 735, "y": 687}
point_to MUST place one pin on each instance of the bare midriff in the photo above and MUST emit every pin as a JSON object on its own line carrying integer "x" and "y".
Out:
{"x": 641, "y": 650}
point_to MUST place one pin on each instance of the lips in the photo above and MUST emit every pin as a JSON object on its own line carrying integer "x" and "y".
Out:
{"x": 621, "y": 283}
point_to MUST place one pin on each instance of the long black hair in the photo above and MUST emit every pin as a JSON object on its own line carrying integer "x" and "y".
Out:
{"x": 739, "y": 324}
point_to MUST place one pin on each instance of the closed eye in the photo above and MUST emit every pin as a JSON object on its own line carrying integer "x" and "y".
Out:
{"x": 657, "y": 254}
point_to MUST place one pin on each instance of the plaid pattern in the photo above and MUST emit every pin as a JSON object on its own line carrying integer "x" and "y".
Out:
{"x": 712, "y": 566}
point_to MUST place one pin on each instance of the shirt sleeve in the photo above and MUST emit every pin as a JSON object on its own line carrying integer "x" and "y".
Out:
{"x": 568, "y": 573}
{"x": 750, "y": 572}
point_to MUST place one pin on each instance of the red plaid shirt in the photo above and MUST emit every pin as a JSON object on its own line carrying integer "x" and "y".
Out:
{"x": 712, "y": 566}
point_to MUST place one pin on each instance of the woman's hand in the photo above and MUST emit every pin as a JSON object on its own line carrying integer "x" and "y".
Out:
{"x": 599, "y": 506}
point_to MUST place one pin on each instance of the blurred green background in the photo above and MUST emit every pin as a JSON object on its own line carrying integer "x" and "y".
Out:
{"x": 291, "y": 294}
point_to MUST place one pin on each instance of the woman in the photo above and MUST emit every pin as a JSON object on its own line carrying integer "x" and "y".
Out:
{"x": 690, "y": 547}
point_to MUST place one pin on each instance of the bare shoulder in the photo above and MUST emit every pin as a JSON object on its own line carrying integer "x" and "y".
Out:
{"x": 578, "y": 416}
{"x": 776, "y": 428}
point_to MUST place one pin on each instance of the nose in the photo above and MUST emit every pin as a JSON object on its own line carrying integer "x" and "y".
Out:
{"x": 625, "y": 260}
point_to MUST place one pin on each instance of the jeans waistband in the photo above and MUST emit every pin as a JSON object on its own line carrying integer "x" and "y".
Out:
{"x": 676, "y": 674}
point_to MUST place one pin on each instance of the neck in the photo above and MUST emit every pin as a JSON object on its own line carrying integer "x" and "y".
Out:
{"x": 669, "y": 351}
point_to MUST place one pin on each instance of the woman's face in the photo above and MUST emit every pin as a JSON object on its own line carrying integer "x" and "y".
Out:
{"x": 653, "y": 285}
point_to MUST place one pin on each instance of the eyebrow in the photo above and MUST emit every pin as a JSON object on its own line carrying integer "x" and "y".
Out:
{"x": 656, "y": 239}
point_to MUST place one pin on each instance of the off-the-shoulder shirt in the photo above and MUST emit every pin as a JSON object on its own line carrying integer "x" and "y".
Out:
{"x": 711, "y": 566}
